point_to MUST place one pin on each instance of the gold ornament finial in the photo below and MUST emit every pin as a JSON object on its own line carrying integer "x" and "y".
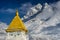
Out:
{"x": 17, "y": 13}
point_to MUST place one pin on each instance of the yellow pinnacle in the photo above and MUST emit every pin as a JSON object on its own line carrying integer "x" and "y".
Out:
{"x": 16, "y": 24}
{"x": 17, "y": 13}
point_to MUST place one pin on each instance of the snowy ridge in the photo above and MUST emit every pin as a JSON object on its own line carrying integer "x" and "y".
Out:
{"x": 32, "y": 11}
{"x": 45, "y": 25}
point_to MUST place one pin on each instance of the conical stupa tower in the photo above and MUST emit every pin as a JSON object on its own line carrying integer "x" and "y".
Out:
{"x": 16, "y": 29}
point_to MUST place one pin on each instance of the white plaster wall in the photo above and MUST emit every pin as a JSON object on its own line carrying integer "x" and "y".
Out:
{"x": 16, "y": 36}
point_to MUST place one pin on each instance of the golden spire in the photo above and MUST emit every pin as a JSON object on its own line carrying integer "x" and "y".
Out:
{"x": 16, "y": 24}
{"x": 17, "y": 13}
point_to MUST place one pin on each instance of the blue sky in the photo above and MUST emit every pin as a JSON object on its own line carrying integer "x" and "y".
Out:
{"x": 8, "y": 8}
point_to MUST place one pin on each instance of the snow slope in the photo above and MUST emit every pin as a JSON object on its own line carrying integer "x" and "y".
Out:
{"x": 46, "y": 25}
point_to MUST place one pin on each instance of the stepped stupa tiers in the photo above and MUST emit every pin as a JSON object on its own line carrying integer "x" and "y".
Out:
{"x": 16, "y": 30}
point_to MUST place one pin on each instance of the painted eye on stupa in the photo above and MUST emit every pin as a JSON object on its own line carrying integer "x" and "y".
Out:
{"x": 11, "y": 34}
{"x": 18, "y": 34}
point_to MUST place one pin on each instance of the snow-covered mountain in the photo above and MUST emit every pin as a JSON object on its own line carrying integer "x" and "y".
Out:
{"x": 43, "y": 24}
{"x": 3, "y": 26}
